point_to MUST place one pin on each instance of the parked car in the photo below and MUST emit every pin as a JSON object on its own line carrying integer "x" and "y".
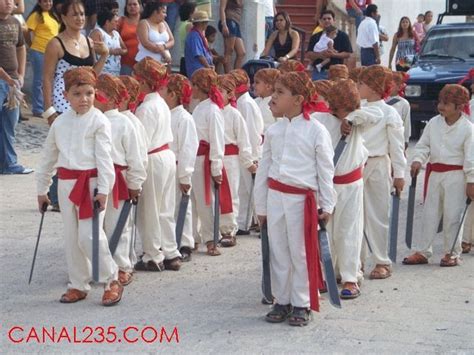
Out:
{"x": 446, "y": 56}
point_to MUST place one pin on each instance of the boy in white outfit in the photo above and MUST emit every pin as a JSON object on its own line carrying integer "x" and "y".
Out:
{"x": 385, "y": 142}
{"x": 294, "y": 179}
{"x": 447, "y": 144}
{"x": 130, "y": 172}
{"x": 399, "y": 103}
{"x": 254, "y": 120}
{"x": 78, "y": 146}
{"x": 156, "y": 224}
{"x": 178, "y": 94}
{"x": 209, "y": 163}
{"x": 347, "y": 223}
{"x": 238, "y": 152}
{"x": 263, "y": 89}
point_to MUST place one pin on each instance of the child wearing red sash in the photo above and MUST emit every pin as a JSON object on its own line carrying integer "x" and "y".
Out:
{"x": 130, "y": 172}
{"x": 78, "y": 146}
{"x": 447, "y": 146}
{"x": 178, "y": 94}
{"x": 294, "y": 179}
{"x": 263, "y": 89}
{"x": 155, "y": 220}
{"x": 209, "y": 122}
{"x": 237, "y": 154}
{"x": 322, "y": 88}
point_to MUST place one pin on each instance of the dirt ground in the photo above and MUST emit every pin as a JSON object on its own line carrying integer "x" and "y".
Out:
{"x": 213, "y": 303}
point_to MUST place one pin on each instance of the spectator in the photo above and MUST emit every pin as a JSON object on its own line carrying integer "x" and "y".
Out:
{"x": 269, "y": 10}
{"x": 12, "y": 73}
{"x": 405, "y": 43}
{"x": 229, "y": 25}
{"x": 127, "y": 28}
{"x": 356, "y": 8}
{"x": 428, "y": 21}
{"x": 186, "y": 12}
{"x": 285, "y": 41}
{"x": 217, "y": 59}
{"x": 196, "y": 51}
{"x": 368, "y": 37}
{"x": 92, "y": 8}
{"x": 418, "y": 27}
{"x": 105, "y": 32}
{"x": 154, "y": 35}
{"x": 326, "y": 43}
{"x": 172, "y": 13}
{"x": 43, "y": 25}
{"x": 342, "y": 45}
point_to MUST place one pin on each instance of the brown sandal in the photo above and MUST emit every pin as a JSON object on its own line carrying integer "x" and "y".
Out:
{"x": 113, "y": 295}
{"x": 448, "y": 261}
{"x": 212, "y": 249}
{"x": 466, "y": 247}
{"x": 173, "y": 264}
{"x": 73, "y": 295}
{"x": 125, "y": 278}
{"x": 228, "y": 241}
{"x": 350, "y": 290}
{"x": 415, "y": 259}
{"x": 380, "y": 272}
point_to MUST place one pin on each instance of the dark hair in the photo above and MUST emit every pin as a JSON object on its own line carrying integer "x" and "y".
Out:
{"x": 328, "y": 12}
{"x": 370, "y": 10}
{"x": 285, "y": 16}
{"x": 39, "y": 12}
{"x": 112, "y": 5}
{"x": 150, "y": 8}
{"x": 428, "y": 12}
{"x": 186, "y": 10}
{"x": 210, "y": 30}
{"x": 330, "y": 29}
{"x": 125, "y": 12}
{"x": 65, "y": 9}
{"x": 104, "y": 15}
{"x": 420, "y": 15}
{"x": 400, "y": 29}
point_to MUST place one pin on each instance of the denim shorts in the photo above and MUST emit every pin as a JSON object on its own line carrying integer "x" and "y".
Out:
{"x": 234, "y": 28}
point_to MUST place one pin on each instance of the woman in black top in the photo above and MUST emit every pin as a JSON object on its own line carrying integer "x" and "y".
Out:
{"x": 285, "y": 41}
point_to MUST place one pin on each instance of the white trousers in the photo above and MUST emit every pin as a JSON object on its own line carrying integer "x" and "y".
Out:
{"x": 285, "y": 221}
{"x": 156, "y": 224}
{"x": 228, "y": 221}
{"x": 187, "y": 239}
{"x": 377, "y": 186}
{"x": 122, "y": 253}
{"x": 345, "y": 229}
{"x": 468, "y": 234}
{"x": 203, "y": 215}
{"x": 245, "y": 187}
{"x": 445, "y": 197}
{"x": 78, "y": 242}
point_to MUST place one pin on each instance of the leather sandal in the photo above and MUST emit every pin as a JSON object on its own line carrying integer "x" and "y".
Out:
{"x": 125, "y": 278}
{"x": 173, "y": 264}
{"x": 73, "y": 295}
{"x": 149, "y": 266}
{"x": 466, "y": 247}
{"x": 279, "y": 313}
{"x": 212, "y": 249}
{"x": 113, "y": 295}
{"x": 448, "y": 261}
{"x": 186, "y": 253}
{"x": 228, "y": 241}
{"x": 299, "y": 316}
{"x": 380, "y": 272}
{"x": 350, "y": 290}
{"x": 415, "y": 259}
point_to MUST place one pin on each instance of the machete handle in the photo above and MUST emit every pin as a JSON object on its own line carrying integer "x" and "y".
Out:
{"x": 96, "y": 203}
{"x": 44, "y": 207}
{"x": 413, "y": 181}
{"x": 468, "y": 201}
{"x": 322, "y": 223}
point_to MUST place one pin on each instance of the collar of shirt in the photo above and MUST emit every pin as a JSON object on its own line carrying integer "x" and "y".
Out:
{"x": 151, "y": 96}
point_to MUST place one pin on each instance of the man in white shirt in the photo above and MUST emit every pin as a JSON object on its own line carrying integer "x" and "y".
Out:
{"x": 368, "y": 38}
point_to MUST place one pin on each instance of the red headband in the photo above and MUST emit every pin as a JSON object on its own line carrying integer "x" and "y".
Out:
{"x": 469, "y": 76}
{"x": 216, "y": 96}
{"x": 241, "y": 89}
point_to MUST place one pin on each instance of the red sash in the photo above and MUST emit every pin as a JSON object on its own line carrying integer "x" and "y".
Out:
{"x": 80, "y": 193}
{"x": 231, "y": 149}
{"x": 159, "y": 149}
{"x": 348, "y": 178}
{"x": 310, "y": 238}
{"x": 437, "y": 168}
{"x": 120, "y": 189}
{"x": 225, "y": 197}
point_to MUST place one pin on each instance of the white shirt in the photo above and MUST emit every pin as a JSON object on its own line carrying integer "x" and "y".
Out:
{"x": 267, "y": 115}
{"x": 297, "y": 153}
{"x": 126, "y": 150}
{"x": 367, "y": 33}
{"x": 141, "y": 133}
{"x": 454, "y": 145}
{"x": 355, "y": 154}
{"x": 386, "y": 137}
{"x": 404, "y": 110}
{"x": 254, "y": 120}
{"x": 78, "y": 142}
{"x": 185, "y": 143}
{"x": 235, "y": 132}
{"x": 210, "y": 128}
{"x": 155, "y": 116}
{"x": 268, "y": 8}
{"x": 323, "y": 43}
